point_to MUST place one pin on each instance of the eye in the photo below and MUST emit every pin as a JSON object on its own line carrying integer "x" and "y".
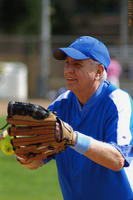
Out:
{"x": 77, "y": 64}
{"x": 74, "y": 63}
{"x": 66, "y": 61}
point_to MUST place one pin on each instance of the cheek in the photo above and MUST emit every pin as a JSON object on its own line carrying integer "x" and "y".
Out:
{"x": 90, "y": 75}
{"x": 85, "y": 76}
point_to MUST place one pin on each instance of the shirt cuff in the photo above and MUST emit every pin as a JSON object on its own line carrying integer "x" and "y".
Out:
{"x": 126, "y": 151}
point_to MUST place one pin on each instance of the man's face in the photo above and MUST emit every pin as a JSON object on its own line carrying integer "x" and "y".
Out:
{"x": 79, "y": 75}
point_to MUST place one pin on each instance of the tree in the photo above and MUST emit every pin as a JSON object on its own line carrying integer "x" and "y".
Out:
{"x": 20, "y": 16}
{"x": 24, "y": 16}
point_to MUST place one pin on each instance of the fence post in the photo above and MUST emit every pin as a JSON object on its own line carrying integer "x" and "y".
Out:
{"x": 45, "y": 50}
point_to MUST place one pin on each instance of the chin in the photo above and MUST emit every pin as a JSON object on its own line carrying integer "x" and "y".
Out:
{"x": 69, "y": 87}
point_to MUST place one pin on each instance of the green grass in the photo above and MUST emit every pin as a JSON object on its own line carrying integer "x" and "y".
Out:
{"x": 18, "y": 183}
{"x": 2, "y": 122}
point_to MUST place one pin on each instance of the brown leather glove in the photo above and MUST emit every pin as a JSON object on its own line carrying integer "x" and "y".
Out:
{"x": 37, "y": 132}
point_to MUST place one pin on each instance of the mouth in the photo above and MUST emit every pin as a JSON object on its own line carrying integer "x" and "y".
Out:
{"x": 71, "y": 83}
{"x": 70, "y": 79}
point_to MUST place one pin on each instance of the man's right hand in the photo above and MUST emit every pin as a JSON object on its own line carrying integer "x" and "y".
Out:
{"x": 30, "y": 164}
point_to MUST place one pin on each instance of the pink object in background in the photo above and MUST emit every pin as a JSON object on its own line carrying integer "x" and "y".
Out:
{"x": 114, "y": 72}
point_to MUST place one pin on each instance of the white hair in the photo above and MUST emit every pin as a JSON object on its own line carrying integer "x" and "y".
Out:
{"x": 104, "y": 75}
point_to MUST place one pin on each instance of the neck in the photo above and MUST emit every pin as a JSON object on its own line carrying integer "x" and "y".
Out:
{"x": 84, "y": 96}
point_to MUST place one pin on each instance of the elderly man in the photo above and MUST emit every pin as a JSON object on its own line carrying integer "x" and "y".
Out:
{"x": 101, "y": 116}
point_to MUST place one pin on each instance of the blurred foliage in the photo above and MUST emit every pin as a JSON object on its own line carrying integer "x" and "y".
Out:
{"x": 100, "y": 6}
{"x": 24, "y": 16}
{"x": 60, "y": 23}
{"x": 20, "y": 16}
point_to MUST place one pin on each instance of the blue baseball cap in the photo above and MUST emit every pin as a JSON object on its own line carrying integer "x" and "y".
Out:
{"x": 85, "y": 47}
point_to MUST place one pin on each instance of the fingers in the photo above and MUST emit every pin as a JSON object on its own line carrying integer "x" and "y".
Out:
{"x": 58, "y": 134}
{"x": 31, "y": 164}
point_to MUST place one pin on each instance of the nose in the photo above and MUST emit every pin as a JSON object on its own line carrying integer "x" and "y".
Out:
{"x": 68, "y": 69}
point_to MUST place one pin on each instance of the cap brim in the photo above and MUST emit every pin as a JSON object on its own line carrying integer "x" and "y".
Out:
{"x": 61, "y": 53}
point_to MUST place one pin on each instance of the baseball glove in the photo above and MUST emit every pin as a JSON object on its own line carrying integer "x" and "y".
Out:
{"x": 36, "y": 132}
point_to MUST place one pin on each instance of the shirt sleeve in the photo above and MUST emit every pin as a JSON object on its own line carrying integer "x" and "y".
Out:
{"x": 48, "y": 159}
{"x": 126, "y": 151}
{"x": 120, "y": 119}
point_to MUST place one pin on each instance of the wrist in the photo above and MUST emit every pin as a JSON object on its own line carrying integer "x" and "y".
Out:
{"x": 74, "y": 139}
{"x": 81, "y": 142}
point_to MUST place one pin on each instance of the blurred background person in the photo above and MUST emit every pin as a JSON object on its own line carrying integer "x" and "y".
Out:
{"x": 114, "y": 72}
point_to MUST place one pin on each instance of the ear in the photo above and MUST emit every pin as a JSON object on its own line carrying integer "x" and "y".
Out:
{"x": 99, "y": 72}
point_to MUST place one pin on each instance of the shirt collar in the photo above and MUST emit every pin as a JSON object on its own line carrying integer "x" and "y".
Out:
{"x": 99, "y": 94}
